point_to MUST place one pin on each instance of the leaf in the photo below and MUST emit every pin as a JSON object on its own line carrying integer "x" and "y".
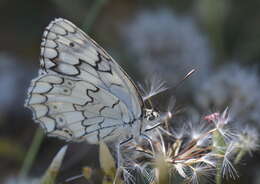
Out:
{"x": 107, "y": 162}
{"x": 53, "y": 170}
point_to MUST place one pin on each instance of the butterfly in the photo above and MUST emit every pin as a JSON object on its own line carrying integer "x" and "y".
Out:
{"x": 81, "y": 93}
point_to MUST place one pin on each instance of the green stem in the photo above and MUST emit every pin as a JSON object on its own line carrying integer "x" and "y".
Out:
{"x": 239, "y": 156}
{"x": 32, "y": 152}
{"x": 219, "y": 143}
{"x": 219, "y": 173}
{"x": 93, "y": 13}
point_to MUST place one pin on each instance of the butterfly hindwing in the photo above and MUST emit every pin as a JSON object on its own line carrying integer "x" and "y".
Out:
{"x": 81, "y": 93}
{"x": 75, "y": 109}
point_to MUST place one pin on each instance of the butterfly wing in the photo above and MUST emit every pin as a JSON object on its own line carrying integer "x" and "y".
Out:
{"x": 81, "y": 93}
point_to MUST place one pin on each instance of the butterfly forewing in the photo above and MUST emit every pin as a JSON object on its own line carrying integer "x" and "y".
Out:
{"x": 81, "y": 93}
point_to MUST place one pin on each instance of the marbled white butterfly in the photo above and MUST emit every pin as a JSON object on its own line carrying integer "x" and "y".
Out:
{"x": 81, "y": 93}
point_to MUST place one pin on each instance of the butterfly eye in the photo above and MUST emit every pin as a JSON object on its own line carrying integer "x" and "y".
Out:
{"x": 72, "y": 44}
{"x": 151, "y": 118}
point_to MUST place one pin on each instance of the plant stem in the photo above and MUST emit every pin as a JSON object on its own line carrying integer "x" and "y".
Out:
{"x": 239, "y": 156}
{"x": 219, "y": 143}
{"x": 218, "y": 174}
{"x": 32, "y": 152}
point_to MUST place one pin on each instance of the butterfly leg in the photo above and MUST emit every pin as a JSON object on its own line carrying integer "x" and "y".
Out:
{"x": 153, "y": 127}
{"x": 119, "y": 146}
{"x": 126, "y": 140}
{"x": 148, "y": 139}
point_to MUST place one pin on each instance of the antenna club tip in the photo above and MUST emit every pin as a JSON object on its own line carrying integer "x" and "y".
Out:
{"x": 169, "y": 114}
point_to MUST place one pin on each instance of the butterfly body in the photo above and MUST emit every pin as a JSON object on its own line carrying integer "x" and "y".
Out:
{"x": 81, "y": 93}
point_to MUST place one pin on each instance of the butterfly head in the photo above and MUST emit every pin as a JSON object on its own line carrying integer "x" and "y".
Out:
{"x": 153, "y": 119}
{"x": 151, "y": 115}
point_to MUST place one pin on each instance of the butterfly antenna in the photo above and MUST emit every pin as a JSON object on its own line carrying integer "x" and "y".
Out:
{"x": 184, "y": 78}
{"x": 174, "y": 87}
{"x": 148, "y": 99}
{"x": 150, "y": 103}
{"x": 172, "y": 101}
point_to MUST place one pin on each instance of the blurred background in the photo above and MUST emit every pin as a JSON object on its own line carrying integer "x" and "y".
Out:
{"x": 219, "y": 38}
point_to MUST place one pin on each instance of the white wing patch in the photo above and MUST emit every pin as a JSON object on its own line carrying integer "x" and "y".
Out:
{"x": 81, "y": 93}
